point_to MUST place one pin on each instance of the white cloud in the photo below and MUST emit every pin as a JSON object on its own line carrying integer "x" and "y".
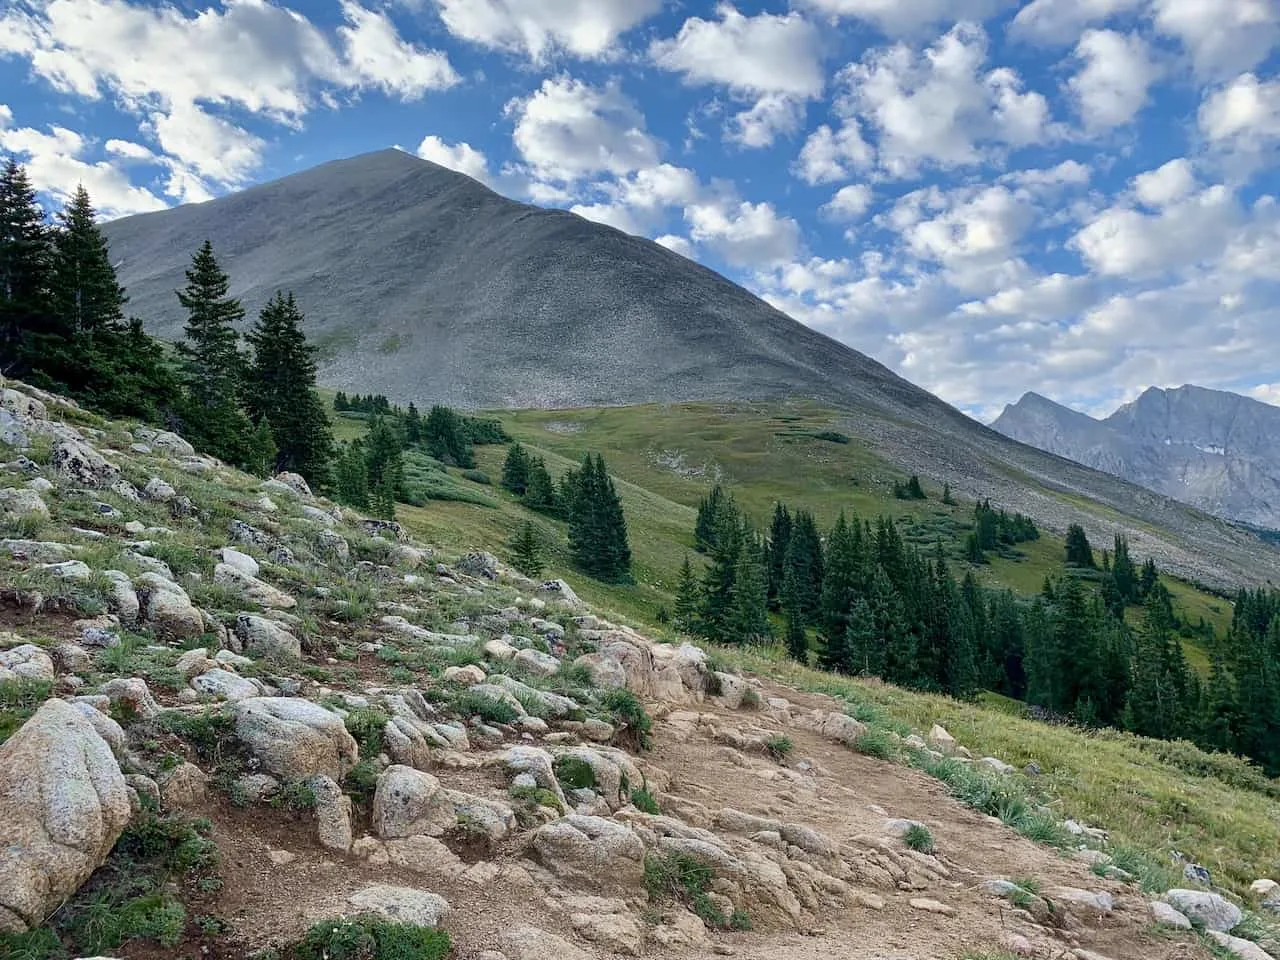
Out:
{"x": 828, "y": 156}
{"x": 1124, "y": 242}
{"x": 385, "y": 61}
{"x": 1166, "y": 184}
{"x": 208, "y": 146}
{"x": 538, "y": 28}
{"x": 899, "y": 17}
{"x": 1266, "y": 392}
{"x": 1060, "y": 21}
{"x": 1111, "y": 86}
{"x": 1242, "y": 116}
{"x": 461, "y": 157}
{"x": 568, "y": 129}
{"x": 745, "y": 234}
{"x": 772, "y": 115}
{"x": 937, "y": 107}
{"x": 849, "y": 203}
{"x": 55, "y": 163}
{"x": 763, "y": 54}
{"x": 128, "y": 150}
{"x": 610, "y": 214}
{"x": 185, "y": 74}
{"x": 1222, "y": 36}
{"x": 676, "y": 244}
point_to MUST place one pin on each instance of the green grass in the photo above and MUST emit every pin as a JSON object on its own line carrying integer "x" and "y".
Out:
{"x": 644, "y": 801}
{"x": 370, "y": 938}
{"x": 575, "y": 773}
{"x": 684, "y": 879}
{"x": 779, "y": 747}
{"x": 19, "y": 699}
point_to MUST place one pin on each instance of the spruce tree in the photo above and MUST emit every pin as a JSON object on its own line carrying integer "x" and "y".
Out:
{"x": 351, "y": 476}
{"x": 526, "y": 550}
{"x": 26, "y": 266}
{"x": 384, "y": 465}
{"x": 445, "y": 436}
{"x": 838, "y": 594}
{"x": 413, "y": 429}
{"x": 87, "y": 298}
{"x": 779, "y": 541}
{"x": 540, "y": 492}
{"x": 280, "y": 391}
{"x": 515, "y": 470}
{"x": 598, "y": 538}
{"x": 1079, "y": 553}
{"x": 866, "y": 649}
{"x": 748, "y": 620}
{"x": 688, "y": 598}
{"x": 212, "y": 364}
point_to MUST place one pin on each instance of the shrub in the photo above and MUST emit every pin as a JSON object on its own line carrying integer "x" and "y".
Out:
{"x": 779, "y": 747}
{"x": 629, "y": 716}
{"x": 477, "y": 476}
{"x": 918, "y": 838}
{"x": 682, "y": 878}
{"x": 751, "y": 699}
{"x": 41, "y": 944}
{"x": 361, "y": 781}
{"x": 370, "y": 938}
{"x": 209, "y": 732}
{"x": 832, "y": 436}
{"x": 365, "y": 724}
{"x": 574, "y": 773}
{"x": 297, "y": 795}
{"x": 486, "y": 708}
{"x": 644, "y": 801}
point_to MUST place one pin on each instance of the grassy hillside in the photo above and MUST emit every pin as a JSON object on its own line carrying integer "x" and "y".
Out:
{"x": 667, "y": 457}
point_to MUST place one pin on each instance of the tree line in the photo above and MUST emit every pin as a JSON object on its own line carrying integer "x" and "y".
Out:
{"x": 860, "y": 600}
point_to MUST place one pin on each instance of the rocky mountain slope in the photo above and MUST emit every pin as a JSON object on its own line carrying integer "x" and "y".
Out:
{"x": 424, "y": 285}
{"x": 1210, "y": 448}
{"x": 239, "y": 721}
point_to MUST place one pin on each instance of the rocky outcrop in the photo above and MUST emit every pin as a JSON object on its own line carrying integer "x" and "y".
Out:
{"x": 1211, "y": 910}
{"x": 63, "y": 804}
{"x": 591, "y": 852}
{"x": 400, "y": 904}
{"x": 410, "y": 803}
{"x": 295, "y": 739}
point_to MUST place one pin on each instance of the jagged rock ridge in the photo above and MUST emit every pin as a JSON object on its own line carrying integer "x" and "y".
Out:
{"x": 1216, "y": 450}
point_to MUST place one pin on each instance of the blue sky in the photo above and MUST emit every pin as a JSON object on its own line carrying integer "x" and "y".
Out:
{"x": 990, "y": 196}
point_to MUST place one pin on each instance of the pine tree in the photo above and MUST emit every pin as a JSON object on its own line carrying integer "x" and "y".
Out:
{"x": 212, "y": 365}
{"x": 598, "y": 538}
{"x": 540, "y": 493}
{"x": 413, "y": 430}
{"x": 748, "y": 620}
{"x": 384, "y": 465}
{"x": 1079, "y": 553}
{"x": 838, "y": 594}
{"x": 804, "y": 567}
{"x": 351, "y": 476}
{"x": 866, "y": 648}
{"x": 947, "y": 498}
{"x": 526, "y": 550}
{"x": 446, "y": 438}
{"x": 515, "y": 470}
{"x": 796, "y": 638}
{"x": 26, "y": 266}
{"x": 717, "y": 590}
{"x": 280, "y": 390}
{"x": 1123, "y": 574}
{"x": 779, "y": 541}
{"x": 973, "y": 549}
{"x": 711, "y": 513}
{"x": 87, "y": 297}
{"x": 688, "y": 598}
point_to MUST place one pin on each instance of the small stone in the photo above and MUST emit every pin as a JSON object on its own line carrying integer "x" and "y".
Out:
{"x": 400, "y": 904}
{"x": 1164, "y": 914}
{"x": 933, "y": 906}
{"x": 1213, "y": 911}
{"x": 468, "y": 675}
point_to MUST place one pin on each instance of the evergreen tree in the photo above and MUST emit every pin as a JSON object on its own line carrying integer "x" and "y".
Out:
{"x": 526, "y": 550}
{"x": 280, "y": 391}
{"x": 688, "y": 598}
{"x": 351, "y": 476}
{"x": 1079, "y": 552}
{"x": 796, "y": 639}
{"x": 866, "y": 648}
{"x": 947, "y": 498}
{"x": 973, "y": 549}
{"x": 540, "y": 492}
{"x": 26, "y": 267}
{"x": 212, "y": 365}
{"x": 87, "y": 298}
{"x": 1148, "y": 579}
{"x": 515, "y": 470}
{"x": 717, "y": 592}
{"x": 748, "y": 620}
{"x": 597, "y": 526}
{"x": 804, "y": 568}
{"x": 413, "y": 430}
{"x": 384, "y": 466}
{"x": 779, "y": 541}
{"x": 838, "y": 594}
{"x": 1123, "y": 573}
{"x": 712, "y": 511}
{"x": 446, "y": 438}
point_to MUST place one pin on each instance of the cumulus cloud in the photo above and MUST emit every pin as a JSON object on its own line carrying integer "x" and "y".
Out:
{"x": 1116, "y": 72}
{"x": 1061, "y": 21}
{"x": 539, "y": 28}
{"x": 1221, "y": 38}
{"x": 55, "y": 161}
{"x": 676, "y": 244}
{"x": 938, "y": 107}
{"x": 896, "y": 17}
{"x": 1243, "y": 117}
{"x": 750, "y": 235}
{"x": 1166, "y": 184}
{"x": 568, "y": 129}
{"x": 184, "y": 75}
{"x": 771, "y": 58}
{"x": 830, "y": 155}
{"x": 461, "y": 157}
{"x": 849, "y": 203}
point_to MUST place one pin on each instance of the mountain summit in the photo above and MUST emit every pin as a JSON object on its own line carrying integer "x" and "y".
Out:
{"x": 423, "y": 284}
{"x": 1216, "y": 450}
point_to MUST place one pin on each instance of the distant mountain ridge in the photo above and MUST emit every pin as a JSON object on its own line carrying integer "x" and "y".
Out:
{"x": 424, "y": 285}
{"x": 1216, "y": 450}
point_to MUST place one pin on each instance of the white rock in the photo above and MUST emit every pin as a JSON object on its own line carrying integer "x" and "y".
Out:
{"x": 536, "y": 662}
{"x": 68, "y": 570}
{"x": 26, "y": 662}
{"x": 241, "y": 561}
{"x": 1210, "y": 909}
{"x": 333, "y": 814}
{"x": 266, "y": 638}
{"x": 295, "y": 738}
{"x": 409, "y": 803}
{"x": 225, "y": 684}
{"x": 159, "y": 491}
{"x": 400, "y": 904}
{"x": 1244, "y": 949}
{"x": 468, "y": 675}
{"x": 1164, "y": 914}
{"x": 251, "y": 588}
